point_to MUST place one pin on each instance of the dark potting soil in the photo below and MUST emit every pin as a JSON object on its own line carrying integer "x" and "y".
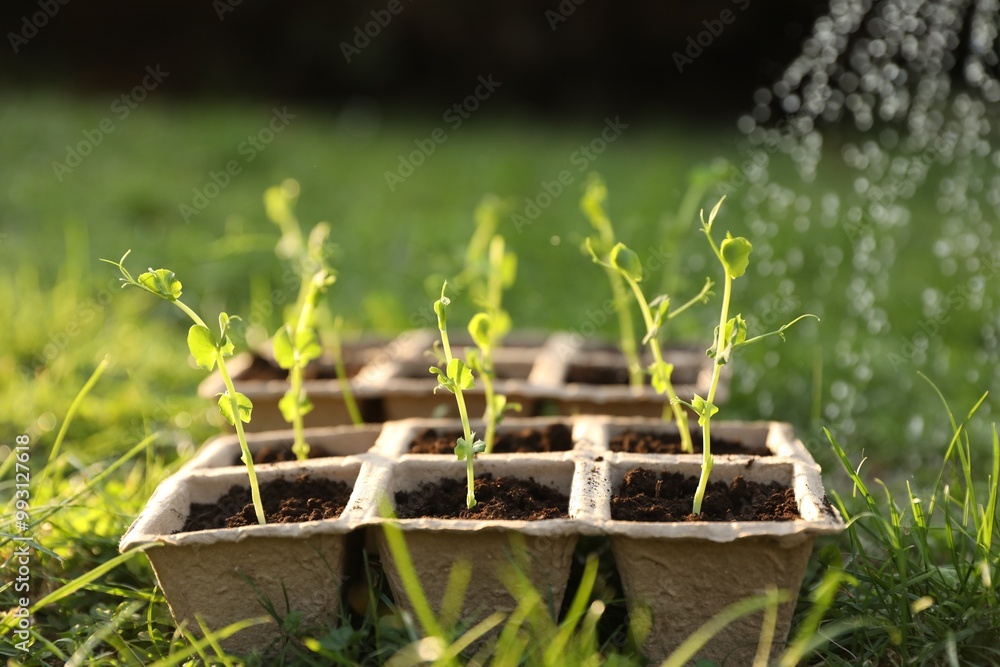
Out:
{"x": 262, "y": 369}
{"x": 496, "y": 498}
{"x": 552, "y": 438}
{"x": 278, "y": 453}
{"x": 285, "y": 501}
{"x": 611, "y": 375}
{"x": 644, "y": 496}
{"x": 670, "y": 443}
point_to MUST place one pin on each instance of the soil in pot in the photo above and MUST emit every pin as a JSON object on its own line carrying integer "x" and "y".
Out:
{"x": 637, "y": 442}
{"x": 279, "y": 453}
{"x": 505, "y": 498}
{"x": 552, "y": 438}
{"x": 285, "y": 501}
{"x": 646, "y": 496}
{"x": 263, "y": 369}
{"x": 612, "y": 375}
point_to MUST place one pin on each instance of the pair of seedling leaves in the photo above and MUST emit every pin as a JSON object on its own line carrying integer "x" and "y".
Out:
{"x": 206, "y": 348}
{"x": 735, "y": 256}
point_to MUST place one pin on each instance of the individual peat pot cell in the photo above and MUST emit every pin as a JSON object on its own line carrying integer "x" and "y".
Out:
{"x": 523, "y": 517}
{"x": 762, "y": 522}
{"x": 588, "y": 381}
{"x": 407, "y": 398}
{"x": 221, "y": 575}
{"x": 326, "y": 395}
{"x": 624, "y": 435}
{"x": 518, "y": 435}
{"x": 402, "y": 375}
{"x": 276, "y": 446}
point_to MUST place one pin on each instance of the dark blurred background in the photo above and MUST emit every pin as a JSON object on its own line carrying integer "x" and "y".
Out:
{"x": 553, "y": 58}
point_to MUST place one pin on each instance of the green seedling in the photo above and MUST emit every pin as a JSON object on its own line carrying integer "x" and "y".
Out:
{"x": 489, "y": 270}
{"x": 208, "y": 351}
{"x": 297, "y": 343}
{"x": 592, "y": 205}
{"x": 456, "y": 378}
{"x": 734, "y": 255}
{"x": 626, "y": 264}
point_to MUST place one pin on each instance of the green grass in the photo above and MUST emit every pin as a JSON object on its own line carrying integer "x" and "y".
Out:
{"x": 64, "y": 313}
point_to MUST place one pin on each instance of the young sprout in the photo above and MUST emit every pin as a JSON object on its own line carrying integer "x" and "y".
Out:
{"x": 207, "y": 351}
{"x": 592, "y": 205}
{"x": 625, "y": 263}
{"x": 489, "y": 270}
{"x": 295, "y": 345}
{"x": 456, "y": 378}
{"x": 734, "y": 255}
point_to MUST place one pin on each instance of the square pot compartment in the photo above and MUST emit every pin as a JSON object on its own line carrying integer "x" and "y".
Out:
{"x": 332, "y": 441}
{"x": 758, "y": 438}
{"x": 687, "y": 572}
{"x": 205, "y": 573}
{"x": 258, "y": 376}
{"x": 595, "y": 381}
{"x": 407, "y": 387}
{"x": 543, "y": 548}
{"x": 399, "y": 436}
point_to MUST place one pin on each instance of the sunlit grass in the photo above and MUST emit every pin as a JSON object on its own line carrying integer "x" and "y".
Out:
{"x": 922, "y": 592}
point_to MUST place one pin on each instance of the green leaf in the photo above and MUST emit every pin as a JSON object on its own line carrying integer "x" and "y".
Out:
{"x": 508, "y": 270}
{"x": 501, "y": 407}
{"x": 242, "y": 403}
{"x": 162, "y": 283}
{"x": 704, "y": 409}
{"x": 439, "y": 307}
{"x": 284, "y": 352}
{"x": 460, "y": 374}
{"x": 660, "y": 376}
{"x": 588, "y": 243}
{"x": 466, "y": 449}
{"x": 661, "y": 306}
{"x": 735, "y": 255}
{"x": 475, "y": 361}
{"x": 738, "y": 330}
{"x": 715, "y": 212}
{"x": 225, "y": 344}
{"x": 501, "y": 324}
{"x": 479, "y": 329}
{"x": 592, "y": 203}
{"x": 290, "y": 407}
{"x": 444, "y": 382}
{"x": 308, "y": 345}
{"x": 202, "y": 346}
{"x": 626, "y": 261}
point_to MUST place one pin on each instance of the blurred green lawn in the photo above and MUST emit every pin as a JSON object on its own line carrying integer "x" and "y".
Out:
{"x": 62, "y": 312}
